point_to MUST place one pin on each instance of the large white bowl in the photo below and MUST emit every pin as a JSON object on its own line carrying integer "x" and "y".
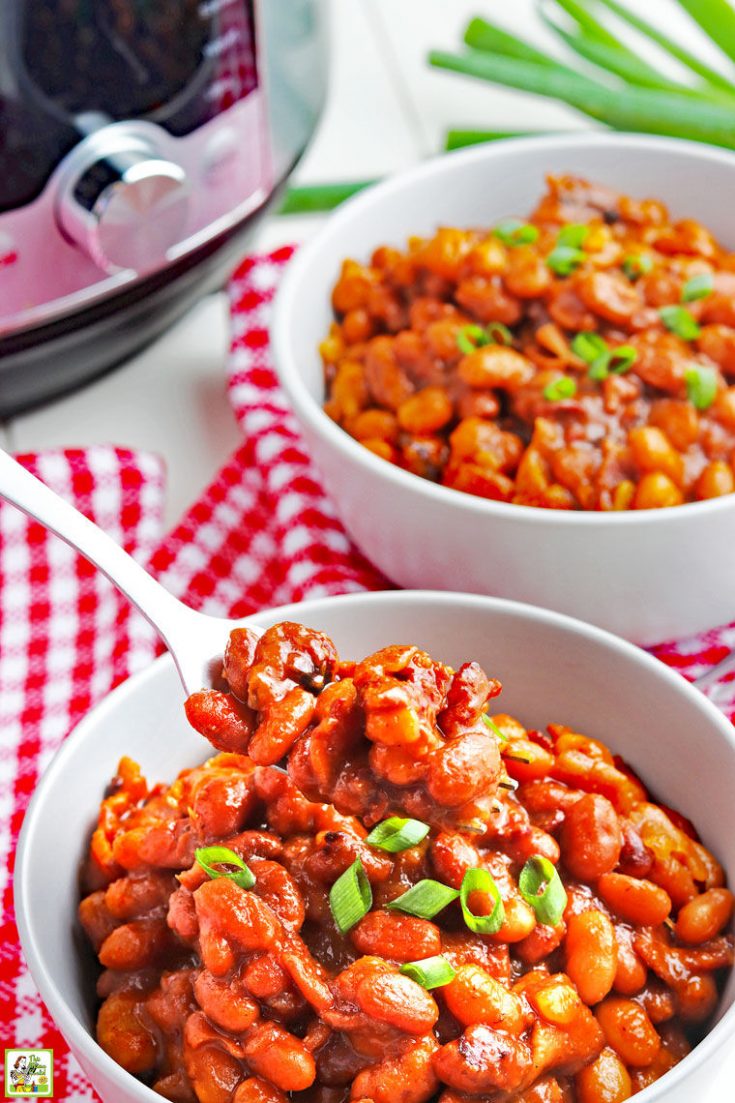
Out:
{"x": 648, "y": 575}
{"x": 553, "y": 668}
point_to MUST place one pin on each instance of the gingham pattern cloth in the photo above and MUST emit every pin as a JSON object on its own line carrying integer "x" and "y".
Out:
{"x": 263, "y": 533}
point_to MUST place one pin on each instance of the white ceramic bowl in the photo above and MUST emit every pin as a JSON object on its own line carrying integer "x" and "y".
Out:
{"x": 553, "y": 668}
{"x": 647, "y": 575}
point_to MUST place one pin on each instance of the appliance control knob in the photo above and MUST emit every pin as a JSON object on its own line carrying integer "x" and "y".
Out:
{"x": 126, "y": 210}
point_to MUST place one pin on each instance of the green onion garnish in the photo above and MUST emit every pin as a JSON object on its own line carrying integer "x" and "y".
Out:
{"x": 563, "y": 387}
{"x": 209, "y": 857}
{"x": 698, "y": 287}
{"x": 494, "y": 728}
{"x": 474, "y": 337}
{"x": 424, "y": 899}
{"x": 613, "y": 362}
{"x": 636, "y": 265}
{"x": 588, "y": 346}
{"x": 540, "y": 886}
{"x": 564, "y": 259}
{"x": 430, "y": 972}
{"x": 574, "y": 234}
{"x": 701, "y": 385}
{"x": 470, "y": 338}
{"x": 499, "y": 334}
{"x": 396, "y": 834}
{"x": 513, "y": 231}
{"x": 479, "y": 880}
{"x": 350, "y": 897}
{"x": 622, "y": 359}
{"x": 680, "y": 321}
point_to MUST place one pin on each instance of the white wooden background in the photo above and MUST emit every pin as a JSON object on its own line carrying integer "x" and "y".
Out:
{"x": 386, "y": 110}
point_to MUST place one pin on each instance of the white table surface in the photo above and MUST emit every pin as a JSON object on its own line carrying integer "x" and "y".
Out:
{"x": 386, "y": 110}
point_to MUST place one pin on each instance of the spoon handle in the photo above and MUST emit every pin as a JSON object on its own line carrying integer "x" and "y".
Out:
{"x": 172, "y": 620}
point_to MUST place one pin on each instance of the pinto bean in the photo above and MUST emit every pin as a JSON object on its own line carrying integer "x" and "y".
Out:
{"x": 396, "y": 937}
{"x": 399, "y": 1001}
{"x": 591, "y": 952}
{"x": 629, "y": 1031}
{"x": 122, "y": 1034}
{"x": 591, "y": 839}
{"x": 474, "y": 996}
{"x": 280, "y": 1057}
{"x": 482, "y": 1061}
{"x": 605, "y": 1080}
{"x": 705, "y": 916}
{"x": 408, "y": 1077}
{"x": 636, "y": 900}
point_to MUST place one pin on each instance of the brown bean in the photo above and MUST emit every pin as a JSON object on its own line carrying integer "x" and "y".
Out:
{"x": 705, "y": 916}
{"x": 629, "y": 1031}
{"x": 121, "y": 1033}
{"x": 396, "y": 937}
{"x": 591, "y": 952}
{"x": 280, "y": 1057}
{"x": 591, "y": 839}
{"x": 473, "y": 996}
{"x": 635, "y": 900}
{"x": 408, "y": 1077}
{"x": 483, "y": 1060}
{"x": 605, "y": 1080}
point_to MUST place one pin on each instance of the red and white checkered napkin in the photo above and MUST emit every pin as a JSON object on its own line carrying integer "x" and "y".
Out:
{"x": 262, "y": 534}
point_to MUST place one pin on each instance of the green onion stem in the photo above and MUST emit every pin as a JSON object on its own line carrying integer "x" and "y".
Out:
{"x": 460, "y": 139}
{"x": 620, "y": 62}
{"x": 583, "y": 17}
{"x": 717, "y": 20}
{"x": 669, "y": 45}
{"x": 488, "y": 37}
{"x": 313, "y": 198}
{"x": 626, "y": 108}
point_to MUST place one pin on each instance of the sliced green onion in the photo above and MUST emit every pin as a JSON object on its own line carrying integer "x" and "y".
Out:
{"x": 540, "y": 886}
{"x": 396, "y": 834}
{"x": 680, "y": 321}
{"x": 574, "y": 234}
{"x": 209, "y": 857}
{"x": 426, "y": 899}
{"x": 499, "y": 334}
{"x": 701, "y": 385}
{"x": 494, "y": 728}
{"x": 564, "y": 259}
{"x": 622, "y": 359}
{"x": 613, "y": 362}
{"x": 479, "y": 880}
{"x": 698, "y": 287}
{"x": 350, "y": 897}
{"x": 588, "y": 346}
{"x": 470, "y": 338}
{"x": 430, "y": 972}
{"x": 636, "y": 265}
{"x": 563, "y": 387}
{"x": 513, "y": 231}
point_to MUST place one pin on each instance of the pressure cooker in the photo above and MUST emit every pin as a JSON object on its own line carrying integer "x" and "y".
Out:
{"x": 140, "y": 141}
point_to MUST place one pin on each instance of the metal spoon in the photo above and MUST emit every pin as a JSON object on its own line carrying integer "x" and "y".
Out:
{"x": 195, "y": 640}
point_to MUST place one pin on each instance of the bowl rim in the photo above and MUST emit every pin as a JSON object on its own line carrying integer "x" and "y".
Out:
{"x": 306, "y": 260}
{"x": 73, "y": 1029}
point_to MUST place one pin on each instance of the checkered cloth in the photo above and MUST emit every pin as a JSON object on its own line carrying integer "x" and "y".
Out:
{"x": 262, "y": 534}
